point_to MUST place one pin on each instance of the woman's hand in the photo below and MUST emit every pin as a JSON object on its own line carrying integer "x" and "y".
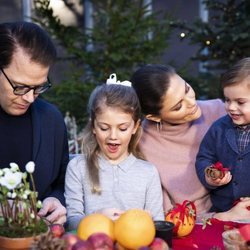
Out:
{"x": 238, "y": 212}
{"x": 53, "y": 211}
{"x": 112, "y": 213}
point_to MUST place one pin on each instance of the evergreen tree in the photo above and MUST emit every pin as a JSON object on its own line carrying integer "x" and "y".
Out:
{"x": 225, "y": 37}
{"x": 125, "y": 34}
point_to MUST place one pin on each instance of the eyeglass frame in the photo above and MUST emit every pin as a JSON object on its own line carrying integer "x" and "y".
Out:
{"x": 46, "y": 86}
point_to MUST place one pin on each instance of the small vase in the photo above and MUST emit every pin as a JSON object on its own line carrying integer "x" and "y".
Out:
{"x": 24, "y": 243}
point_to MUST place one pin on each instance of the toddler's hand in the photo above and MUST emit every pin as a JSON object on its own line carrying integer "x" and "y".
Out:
{"x": 219, "y": 181}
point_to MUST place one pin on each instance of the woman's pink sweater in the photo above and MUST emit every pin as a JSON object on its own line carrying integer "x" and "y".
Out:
{"x": 173, "y": 151}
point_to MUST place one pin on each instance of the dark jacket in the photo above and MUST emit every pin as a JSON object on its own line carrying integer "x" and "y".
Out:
{"x": 220, "y": 144}
{"x": 50, "y": 150}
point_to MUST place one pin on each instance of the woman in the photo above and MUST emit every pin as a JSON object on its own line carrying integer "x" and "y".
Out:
{"x": 173, "y": 129}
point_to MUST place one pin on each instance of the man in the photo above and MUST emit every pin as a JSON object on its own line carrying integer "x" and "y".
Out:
{"x": 31, "y": 129}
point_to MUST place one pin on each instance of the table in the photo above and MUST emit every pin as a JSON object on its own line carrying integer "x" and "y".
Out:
{"x": 209, "y": 238}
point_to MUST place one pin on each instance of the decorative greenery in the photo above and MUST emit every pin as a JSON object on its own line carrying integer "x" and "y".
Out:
{"x": 71, "y": 96}
{"x": 205, "y": 222}
{"x": 224, "y": 39}
{"x": 18, "y": 203}
{"x": 125, "y": 34}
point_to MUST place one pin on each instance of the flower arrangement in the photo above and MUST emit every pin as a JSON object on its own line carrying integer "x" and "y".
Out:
{"x": 19, "y": 204}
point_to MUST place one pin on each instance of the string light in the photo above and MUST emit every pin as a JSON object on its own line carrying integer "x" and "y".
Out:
{"x": 182, "y": 35}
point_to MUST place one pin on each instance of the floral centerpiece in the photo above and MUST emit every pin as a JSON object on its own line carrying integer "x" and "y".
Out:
{"x": 19, "y": 204}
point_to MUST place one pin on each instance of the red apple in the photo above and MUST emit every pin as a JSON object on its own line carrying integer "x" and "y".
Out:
{"x": 101, "y": 241}
{"x": 158, "y": 244}
{"x": 70, "y": 240}
{"x": 82, "y": 245}
{"x": 57, "y": 230}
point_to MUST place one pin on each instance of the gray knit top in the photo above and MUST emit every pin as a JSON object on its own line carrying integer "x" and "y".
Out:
{"x": 133, "y": 183}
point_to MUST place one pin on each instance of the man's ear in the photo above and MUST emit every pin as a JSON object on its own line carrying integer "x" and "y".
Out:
{"x": 153, "y": 118}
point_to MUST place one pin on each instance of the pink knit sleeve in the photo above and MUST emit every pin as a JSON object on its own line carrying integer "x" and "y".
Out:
{"x": 167, "y": 205}
{"x": 212, "y": 109}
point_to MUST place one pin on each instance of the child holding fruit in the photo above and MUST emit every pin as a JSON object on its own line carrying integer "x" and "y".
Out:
{"x": 111, "y": 176}
{"x": 226, "y": 144}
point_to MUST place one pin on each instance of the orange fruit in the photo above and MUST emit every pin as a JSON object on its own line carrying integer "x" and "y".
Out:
{"x": 134, "y": 228}
{"x": 119, "y": 247}
{"x": 95, "y": 223}
{"x": 184, "y": 227}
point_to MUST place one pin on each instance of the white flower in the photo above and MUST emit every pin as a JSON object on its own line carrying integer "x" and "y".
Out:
{"x": 11, "y": 180}
{"x": 30, "y": 167}
{"x": 27, "y": 192}
{"x": 39, "y": 204}
{"x": 13, "y": 167}
{"x": 21, "y": 184}
{"x": 6, "y": 170}
{"x": 16, "y": 197}
{"x": 24, "y": 175}
{"x": 24, "y": 196}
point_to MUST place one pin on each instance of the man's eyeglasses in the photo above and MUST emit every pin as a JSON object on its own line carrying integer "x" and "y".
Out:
{"x": 24, "y": 89}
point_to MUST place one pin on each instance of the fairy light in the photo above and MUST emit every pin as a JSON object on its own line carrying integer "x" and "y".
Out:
{"x": 182, "y": 35}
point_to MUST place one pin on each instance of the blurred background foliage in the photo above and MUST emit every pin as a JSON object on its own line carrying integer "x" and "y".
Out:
{"x": 125, "y": 35}
{"x": 224, "y": 39}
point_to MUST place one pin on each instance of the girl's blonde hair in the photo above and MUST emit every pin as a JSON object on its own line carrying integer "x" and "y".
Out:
{"x": 114, "y": 95}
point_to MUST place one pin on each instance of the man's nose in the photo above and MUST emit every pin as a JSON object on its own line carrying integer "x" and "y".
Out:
{"x": 29, "y": 96}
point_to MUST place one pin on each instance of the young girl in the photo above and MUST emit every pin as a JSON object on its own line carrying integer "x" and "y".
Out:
{"x": 111, "y": 175}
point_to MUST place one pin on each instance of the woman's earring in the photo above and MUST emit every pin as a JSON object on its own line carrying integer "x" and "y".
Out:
{"x": 159, "y": 126}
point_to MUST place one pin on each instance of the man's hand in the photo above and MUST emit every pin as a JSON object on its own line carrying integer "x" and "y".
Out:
{"x": 53, "y": 211}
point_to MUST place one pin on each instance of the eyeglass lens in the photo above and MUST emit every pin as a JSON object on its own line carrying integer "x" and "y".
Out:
{"x": 22, "y": 90}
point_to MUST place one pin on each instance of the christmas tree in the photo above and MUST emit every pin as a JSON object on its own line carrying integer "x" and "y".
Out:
{"x": 225, "y": 38}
